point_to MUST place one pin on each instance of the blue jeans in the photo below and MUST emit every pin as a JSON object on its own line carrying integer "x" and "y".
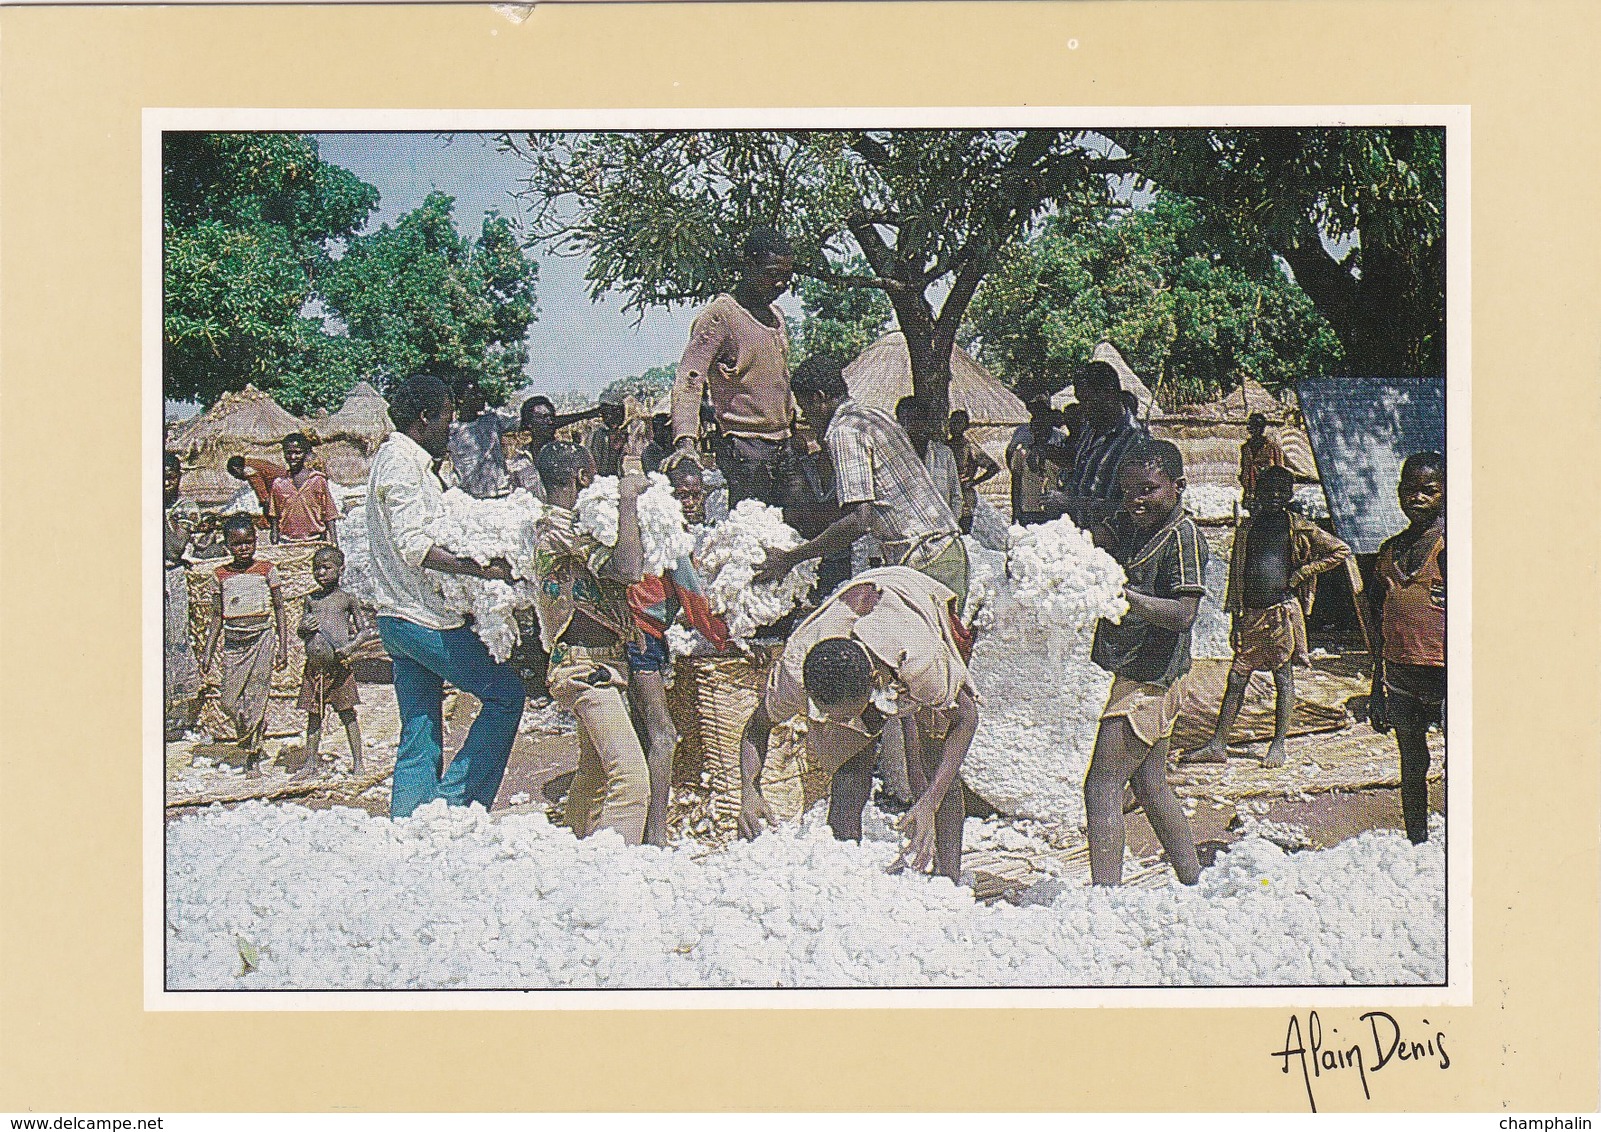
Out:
{"x": 424, "y": 659}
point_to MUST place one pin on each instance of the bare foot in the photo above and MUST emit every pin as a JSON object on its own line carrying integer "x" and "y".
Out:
{"x": 356, "y": 767}
{"x": 1275, "y": 755}
{"x": 307, "y": 771}
{"x": 1213, "y": 752}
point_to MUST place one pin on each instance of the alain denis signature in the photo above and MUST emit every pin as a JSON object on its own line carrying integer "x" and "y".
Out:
{"x": 1375, "y": 1043}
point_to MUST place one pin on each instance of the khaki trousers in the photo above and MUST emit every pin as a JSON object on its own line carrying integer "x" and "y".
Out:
{"x": 612, "y": 787}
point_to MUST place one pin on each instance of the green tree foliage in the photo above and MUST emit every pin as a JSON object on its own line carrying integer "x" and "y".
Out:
{"x": 644, "y": 387}
{"x": 839, "y": 320}
{"x": 1150, "y": 281}
{"x": 927, "y": 212}
{"x": 1357, "y": 213}
{"x": 418, "y": 295}
{"x": 248, "y": 224}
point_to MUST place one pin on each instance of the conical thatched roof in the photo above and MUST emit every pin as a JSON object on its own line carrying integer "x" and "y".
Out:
{"x": 1106, "y": 352}
{"x": 363, "y": 418}
{"x": 1237, "y": 404}
{"x": 882, "y": 374}
{"x": 244, "y": 419}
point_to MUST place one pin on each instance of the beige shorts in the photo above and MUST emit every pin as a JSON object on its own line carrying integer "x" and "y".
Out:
{"x": 1150, "y": 709}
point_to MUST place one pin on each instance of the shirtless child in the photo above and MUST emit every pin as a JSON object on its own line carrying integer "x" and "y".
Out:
{"x": 333, "y": 628}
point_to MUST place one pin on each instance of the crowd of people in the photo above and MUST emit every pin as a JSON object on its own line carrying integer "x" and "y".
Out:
{"x": 882, "y": 649}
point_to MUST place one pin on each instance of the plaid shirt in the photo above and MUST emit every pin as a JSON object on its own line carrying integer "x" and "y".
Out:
{"x": 875, "y": 463}
{"x": 1096, "y": 458}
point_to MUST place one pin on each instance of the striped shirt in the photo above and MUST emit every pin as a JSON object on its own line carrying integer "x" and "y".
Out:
{"x": 1167, "y": 563}
{"x": 875, "y": 463}
{"x": 1096, "y": 457}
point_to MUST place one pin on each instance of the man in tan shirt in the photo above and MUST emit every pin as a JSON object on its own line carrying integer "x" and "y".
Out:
{"x": 739, "y": 352}
{"x": 882, "y": 651}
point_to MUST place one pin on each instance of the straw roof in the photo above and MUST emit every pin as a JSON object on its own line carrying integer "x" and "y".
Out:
{"x": 363, "y": 418}
{"x": 1236, "y": 405}
{"x": 1130, "y": 381}
{"x": 882, "y": 374}
{"x": 249, "y": 418}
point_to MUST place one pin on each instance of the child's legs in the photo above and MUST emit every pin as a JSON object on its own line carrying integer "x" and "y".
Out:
{"x": 313, "y": 735}
{"x": 1411, "y": 737}
{"x": 419, "y": 694}
{"x": 1118, "y": 753}
{"x": 347, "y": 716}
{"x": 1165, "y": 813}
{"x": 649, "y": 694}
{"x": 614, "y": 745}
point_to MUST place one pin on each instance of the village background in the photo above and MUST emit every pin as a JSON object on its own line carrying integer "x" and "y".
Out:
{"x": 1222, "y": 272}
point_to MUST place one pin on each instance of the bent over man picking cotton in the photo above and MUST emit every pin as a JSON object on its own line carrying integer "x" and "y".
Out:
{"x": 883, "y": 651}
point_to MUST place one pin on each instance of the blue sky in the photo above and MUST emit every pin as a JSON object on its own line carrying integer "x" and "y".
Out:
{"x": 576, "y": 343}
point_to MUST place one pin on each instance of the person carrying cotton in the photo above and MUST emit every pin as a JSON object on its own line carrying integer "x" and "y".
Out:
{"x": 882, "y": 652}
{"x": 881, "y": 485}
{"x": 428, "y": 641}
{"x": 585, "y": 624}
{"x": 1148, "y": 651}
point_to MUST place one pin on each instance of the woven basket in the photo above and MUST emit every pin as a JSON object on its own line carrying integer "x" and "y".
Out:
{"x": 711, "y": 701}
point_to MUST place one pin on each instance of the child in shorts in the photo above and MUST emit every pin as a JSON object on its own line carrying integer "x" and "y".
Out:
{"x": 1272, "y": 578}
{"x": 333, "y": 628}
{"x": 247, "y": 617}
{"x": 1407, "y": 600}
{"x": 1164, "y": 556}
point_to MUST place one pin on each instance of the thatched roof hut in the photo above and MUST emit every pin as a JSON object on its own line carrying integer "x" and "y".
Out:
{"x": 882, "y": 374}
{"x": 248, "y": 419}
{"x": 1130, "y": 381}
{"x": 1210, "y": 434}
{"x": 362, "y": 420}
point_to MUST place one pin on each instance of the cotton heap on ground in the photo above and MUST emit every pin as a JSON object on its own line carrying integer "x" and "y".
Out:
{"x": 727, "y": 557}
{"x": 265, "y": 896}
{"x": 1040, "y": 696}
{"x": 661, "y": 520}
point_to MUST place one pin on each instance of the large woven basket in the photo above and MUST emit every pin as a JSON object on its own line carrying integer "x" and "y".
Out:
{"x": 711, "y": 701}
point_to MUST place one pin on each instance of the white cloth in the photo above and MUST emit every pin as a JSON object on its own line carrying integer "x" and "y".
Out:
{"x": 403, "y": 495}
{"x": 941, "y": 464}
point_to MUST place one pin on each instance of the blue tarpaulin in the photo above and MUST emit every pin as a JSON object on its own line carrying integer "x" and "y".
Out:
{"x": 1361, "y": 429}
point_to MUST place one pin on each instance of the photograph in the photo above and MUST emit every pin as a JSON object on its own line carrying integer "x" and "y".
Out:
{"x": 992, "y": 554}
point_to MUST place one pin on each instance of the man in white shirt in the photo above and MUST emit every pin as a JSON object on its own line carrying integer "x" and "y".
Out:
{"x": 429, "y": 643}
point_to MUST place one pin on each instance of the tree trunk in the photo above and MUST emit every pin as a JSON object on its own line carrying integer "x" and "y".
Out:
{"x": 931, "y": 374}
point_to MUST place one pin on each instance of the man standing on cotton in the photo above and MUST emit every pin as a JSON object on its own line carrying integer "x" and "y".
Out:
{"x": 739, "y": 350}
{"x": 428, "y": 642}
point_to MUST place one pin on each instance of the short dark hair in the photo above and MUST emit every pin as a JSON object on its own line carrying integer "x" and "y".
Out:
{"x": 1097, "y": 373}
{"x": 966, "y": 418}
{"x": 761, "y": 242}
{"x": 681, "y": 465}
{"x": 421, "y": 393}
{"x": 1163, "y": 455}
{"x": 326, "y": 552}
{"x": 1275, "y": 475}
{"x": 906, "y": 410}
{"x": 1256, "y": 419}
{"x": 559, "y": 463}
{"x": 821, "y": 375}
{"x": 238, "y": 521}
{"x": 171, "y": 463}
{"x": 236, "y": 466}
{"x": 532, "y": 403}
{"x": 1423, "y": 462}
{"x": 299, "y": 438}
{"x": 837, "y": 669}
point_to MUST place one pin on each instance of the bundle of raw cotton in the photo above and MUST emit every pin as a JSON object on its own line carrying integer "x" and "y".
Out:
{"x": 1310, "y": 500}
{"x": 357, "y": 578}
{"x": 286, "y": 897}
{"x": 482, "y": 530}
{"x": 1067, "y": 581}
{"x": 727, "y": 558}
{"x": 989, "y": 526}
{"x": 1211, "y": 502}
{"x": 661, "y": 520}
{"x": 684, "y": 641}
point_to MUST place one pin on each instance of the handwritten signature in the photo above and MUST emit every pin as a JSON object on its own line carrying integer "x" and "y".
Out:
{"x": 1384, "y": 1040}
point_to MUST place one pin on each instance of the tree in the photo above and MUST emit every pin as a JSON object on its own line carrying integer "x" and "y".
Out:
{"x": 248, "y": 225}
{"x": 1358, "y": 214}
{"x": 644, "y": 387}
{"x": 417, "y": 295}
{"x": 1150, "y": 281}
{"x": 839, "y": 320}
{"x": 928, "y": 212}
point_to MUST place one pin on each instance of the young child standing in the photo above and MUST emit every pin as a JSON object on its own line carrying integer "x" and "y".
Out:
{"x": 333, "y": 628}
{"x": 1162, "y": 552}
{"x": 1272, "y": 580}
{"x": 1407, "y": 600}
{"x": 585, "y": 622}
{"x": 247, "y": 617}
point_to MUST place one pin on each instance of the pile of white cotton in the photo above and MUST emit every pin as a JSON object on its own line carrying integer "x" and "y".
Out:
{"x": 1063, "y": 578}
{"x": 485, "y": 529}
{"x": 1212, "y": 502}
{"x": 1311, "y": 501}
{"x": 661, "y": 520}
{"x": 264, "y": 896}
{"x": 727, "y": 558}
